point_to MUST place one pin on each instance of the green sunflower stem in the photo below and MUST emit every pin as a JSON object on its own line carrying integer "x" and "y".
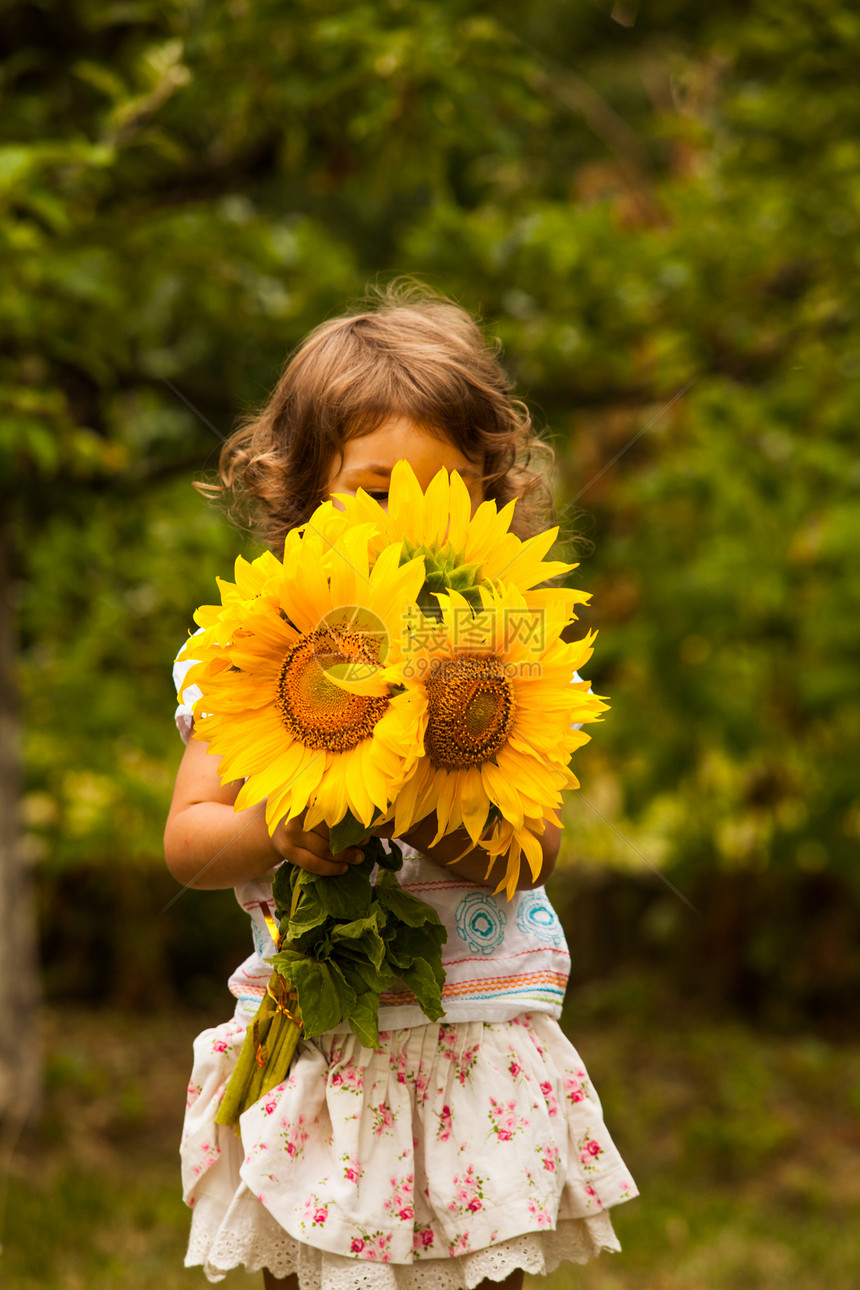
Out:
{"x": 282, "y": 1051}
{"x": 236, "y": 1097}
{"x": 266, "y": 1054}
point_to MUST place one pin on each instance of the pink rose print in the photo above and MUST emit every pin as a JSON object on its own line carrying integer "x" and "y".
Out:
{"x": 593, "y": 1196}
{"x": 295, "y": 1136}
{"x": 399, "y": 1203}
{"x": 443, "y": 1133}
{"x": 371, "y": 1245}
{"x": 314, "y": 1210}
{"x": 573, "y": 1089}
{"x": 504, "y": 1121}
{"x": 550, "y": 1155}
{"x": 468, "y": 1195}
{"x": 459, "y": 1245}
{"x": 383, "y": 1119}
{"x": 422, "y": 1239}
{"x": 549, "y": 1097}
{"x": 448, "y": 1042}
{"x": 539, "y": 1214}
{"x": 210, "y": 1153}
{"x": 398, "y": 1065}
{"x": 220, "y": 1046}
{"x": 194, "y": 1091}
{"x": 270, "y": 1107}
{"x": 257, "y": 1150}
{"x": 466, "y": 1063}
{"x": 589, "y": 1150}
{"x": 381, "y": 1250}
{"x": 353, "y": 1169}
{"x": 514, "y": 1066}
{"x": 350, "y": 1078}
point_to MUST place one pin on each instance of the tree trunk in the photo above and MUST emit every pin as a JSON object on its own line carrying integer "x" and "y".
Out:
{"x": 20, "y": 1045}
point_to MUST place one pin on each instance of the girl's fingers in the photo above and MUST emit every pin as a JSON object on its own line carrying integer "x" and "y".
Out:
{"x": 312, "y": 842}
{"x": 320, "y": 831}
{"x": 319, "y": 846}
{"x": 317, "y": 841}
{"x": 312, "y": 850}
{"x": 316, "y": 864}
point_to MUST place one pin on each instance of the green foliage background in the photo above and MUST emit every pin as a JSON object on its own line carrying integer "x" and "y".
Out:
{"x": 655, "y": 207}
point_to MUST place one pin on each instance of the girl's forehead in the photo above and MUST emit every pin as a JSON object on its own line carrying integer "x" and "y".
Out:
{"x": 399, "y": 437}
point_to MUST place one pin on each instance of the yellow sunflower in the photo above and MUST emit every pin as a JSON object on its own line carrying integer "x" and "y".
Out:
{"x": 462, "y": 551}
{"x": 295, "y": 679}
{"x": 254, "y": 579}
{"x": 499, "y": 713}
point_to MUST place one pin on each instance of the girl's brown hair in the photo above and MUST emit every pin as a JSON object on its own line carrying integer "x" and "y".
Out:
{"x": 407, "y": 353}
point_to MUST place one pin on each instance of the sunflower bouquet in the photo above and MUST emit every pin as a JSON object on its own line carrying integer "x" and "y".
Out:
{"x": 395, "y": 663}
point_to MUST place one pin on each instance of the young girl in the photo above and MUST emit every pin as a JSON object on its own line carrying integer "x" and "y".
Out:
{"x": 459, "y": 1153}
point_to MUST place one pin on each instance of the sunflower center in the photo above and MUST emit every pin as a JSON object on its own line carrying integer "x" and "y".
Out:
{"x": 471, "y": 708}
{"x": 313, "y": 707}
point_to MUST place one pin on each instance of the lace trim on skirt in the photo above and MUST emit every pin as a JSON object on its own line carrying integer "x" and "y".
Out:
{"x": 244, "y": 1234}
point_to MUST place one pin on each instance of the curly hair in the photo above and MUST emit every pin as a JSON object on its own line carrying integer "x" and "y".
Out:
{"x": 404, "y": 351}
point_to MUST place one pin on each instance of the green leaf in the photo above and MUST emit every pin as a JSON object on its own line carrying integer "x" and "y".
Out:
{"x": 362, "y": 976}
{"x": 309, "y": 914}
{"x": 391, "y": 860}
{"x": 324, "y": 996}
{"x": 364, "y": 1021}
{"x": 411, "y": 943}
{"x": 284, "y": 960}
{"x": 345, "y": 896}
{"x": 314, "y": 941}
{"x": 407, "y": 908}
{"x": 364, "y": 937}
{"x": 367, "y": 986}
{"x": 397, "y": 956}
{"x": 422, "y": 980}
{"x": 350, "y": 832}
{"x": 285, "y": 877}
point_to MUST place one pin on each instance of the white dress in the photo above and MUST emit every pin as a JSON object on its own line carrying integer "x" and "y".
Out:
{"x": 458, "y": 1150}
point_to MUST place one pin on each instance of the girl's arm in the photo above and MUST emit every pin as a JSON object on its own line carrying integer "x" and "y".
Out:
{"x": 209, "y": 845}
{"x": 474, "y": 865}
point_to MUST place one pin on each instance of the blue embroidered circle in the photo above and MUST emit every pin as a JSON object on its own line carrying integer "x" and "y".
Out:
{"x": 536, "y": 917}
{"x": 259, "y": 941}
{"x": 480, "y": 922}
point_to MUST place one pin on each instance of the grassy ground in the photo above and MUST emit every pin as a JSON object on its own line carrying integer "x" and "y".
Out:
{"x": 746, "y": 1150}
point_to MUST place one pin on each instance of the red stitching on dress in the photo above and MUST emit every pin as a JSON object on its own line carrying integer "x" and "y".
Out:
{"x": 539, "y": 949}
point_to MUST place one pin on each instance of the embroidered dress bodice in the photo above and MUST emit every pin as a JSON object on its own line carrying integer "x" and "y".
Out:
{"x": 501, "y": 957}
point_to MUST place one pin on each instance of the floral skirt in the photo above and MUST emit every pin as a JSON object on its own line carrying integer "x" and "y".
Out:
{"x": 450, "y": 1154}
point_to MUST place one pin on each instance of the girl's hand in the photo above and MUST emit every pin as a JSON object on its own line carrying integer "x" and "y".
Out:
{"x": 311, "y": 850}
